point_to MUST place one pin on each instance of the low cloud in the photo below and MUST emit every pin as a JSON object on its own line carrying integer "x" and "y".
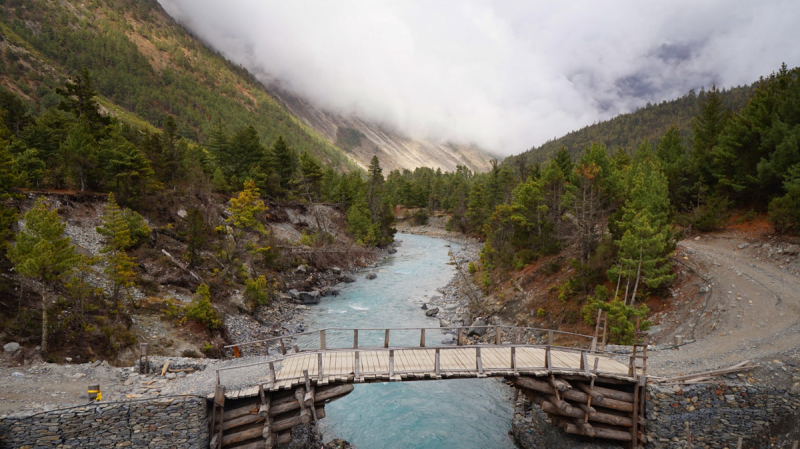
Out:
{"x": 505, "y": 75}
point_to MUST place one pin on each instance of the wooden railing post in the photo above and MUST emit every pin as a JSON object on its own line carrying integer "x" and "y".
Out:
{"x": 478, "y": 362}
{"x": 436, "y": 364}
{"x": 594, "y": 344}
{"x": 272, "y": 374}
{"x": 498, "y": 336}
{"x": 460, "y": 341}
{"x": 355, "y": 338}
{"x": 548, "y": 363}
{"x": 422, "y": 338}
{"x": 386, "y": 339}
{"x": 355, "y": 365}
{"x": 514, "y": 358}
{"x": 391, "y": 363}
{"x": 322, "y": 342}
{"x": 283, "y": 347}
{"x": 319, "y": 368}
{"x": 550, "y": 338}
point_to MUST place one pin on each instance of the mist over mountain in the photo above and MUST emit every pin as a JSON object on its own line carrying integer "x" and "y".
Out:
{"x": 503, "y": 75}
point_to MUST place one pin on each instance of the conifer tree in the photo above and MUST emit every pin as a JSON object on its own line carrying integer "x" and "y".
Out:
{"x": 79, "y": 99}
{"x": 564, "y": 160}
{"x": 119, "y": 266}
{"x": 42, "y": 252}
{"x": 284, "y": 161}
{"x": 79, "y": 152}
{"x": 707, "y": 127}
{"x": 312, "y": 176}
{"x": 646, "y": 241}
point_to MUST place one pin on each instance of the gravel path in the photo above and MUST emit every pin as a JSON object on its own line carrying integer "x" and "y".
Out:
{"x": 751, "y": 310}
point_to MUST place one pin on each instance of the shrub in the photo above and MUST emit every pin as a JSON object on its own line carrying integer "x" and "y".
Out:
{"x": 255, "y": 290}
{"x": 201, "y": 310}
{"x": 472, "y": 268}
{"x": 550, "y": 268}
{"x": 621, "y": 317}
{"x": 420, "y": 217}
{"x": 139, "y": 231}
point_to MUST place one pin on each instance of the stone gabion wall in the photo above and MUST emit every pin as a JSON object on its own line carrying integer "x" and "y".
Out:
{"x": 159, "y": 423}
{"x": 718, "y": 414}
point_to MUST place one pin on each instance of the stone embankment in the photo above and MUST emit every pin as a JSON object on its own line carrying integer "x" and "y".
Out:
{"x": 712, "y": 415}
{"x": 178, "y": 422}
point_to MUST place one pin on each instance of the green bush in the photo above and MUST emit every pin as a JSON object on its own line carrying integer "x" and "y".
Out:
{"x": 621, "y": 317}
{"x": 256, "y": 290}
{"x": 201, "y": 310}
{"x": 472, "y": 268}
{"x": 137, "y": 226}
{"x": 420, "y": 217}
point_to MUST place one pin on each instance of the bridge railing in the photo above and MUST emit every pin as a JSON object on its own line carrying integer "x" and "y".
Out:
{"x": 320, "y": 339}
{"x": 498, "y": 339}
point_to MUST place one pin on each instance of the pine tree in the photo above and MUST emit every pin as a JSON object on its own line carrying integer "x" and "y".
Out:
{"x": 375, "y": 192}
{"x": 79, "y": 99}
{"x": 564, "y": 160}
{"x": 284, "y": 161}
{"x": 119, "y": 266}
{"x": 42, "y": 252}
{"x": 675, "y": 164}
{"x": 646, "y": 241}
{"x": 312, "y": 176}
{"x": 79, "y": 152}
{"x": 707, "y": 127}
{"x": 129, "y": 170}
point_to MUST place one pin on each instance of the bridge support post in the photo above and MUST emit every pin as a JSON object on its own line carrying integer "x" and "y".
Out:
{"x": 319, "y": 368}
{"x": 355, "y": 338}
{"x": 272, "y": 374}
{"x": 356, "y": 367}
{"x": 322, "y": 343}
{"x": 391, "y": 362}
{"x": 386, "y": 339}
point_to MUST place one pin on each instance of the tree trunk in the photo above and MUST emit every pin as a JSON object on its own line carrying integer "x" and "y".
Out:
{"x": 638, "y": 275}
{"x": 80, "y": 174}
{"x": 619, "y": 280}
{"x": 44, "y": 319}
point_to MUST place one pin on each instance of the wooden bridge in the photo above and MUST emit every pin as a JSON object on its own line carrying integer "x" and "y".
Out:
{"x": 583, "y": 391}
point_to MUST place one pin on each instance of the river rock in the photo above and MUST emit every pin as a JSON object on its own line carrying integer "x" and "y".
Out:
{"x": 347, "y": 277}
{"x": 294, "y": 293}
{"x": 391, "y": 251}
{"x": 310, "y": 297}
{"x": 301, "y": 269}
{"x": 425, "y": 306}
{"x": 432, "y": 312}
{"x": 11, "y": 347}
{"x": 336, "y": 270}
{"x": 476, "y": 329}
{"x": 371, "y": 276}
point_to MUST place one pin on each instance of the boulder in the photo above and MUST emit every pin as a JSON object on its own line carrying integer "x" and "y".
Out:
{"x": 336, "y": 270}
{"x": 310, "y": 297}
{"x": 371, "y": 276}
{"x": 391, "y": 251}
{"x": 348, "y": 278}
{"x": 432, "y": 312}
{"x": 11, "y": 347}
{"x": 424, "y": 306}
{"x": 476, "y": 329}
{"x": 331, "y": 292}
{"x": 301, "y": 269}
{"x": 294, "y": 293}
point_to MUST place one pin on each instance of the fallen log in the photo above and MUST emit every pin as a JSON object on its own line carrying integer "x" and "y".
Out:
{"x": 572, "y": 395}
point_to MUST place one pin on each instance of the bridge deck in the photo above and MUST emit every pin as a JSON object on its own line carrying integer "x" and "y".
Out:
{"x": 381, "y": 365}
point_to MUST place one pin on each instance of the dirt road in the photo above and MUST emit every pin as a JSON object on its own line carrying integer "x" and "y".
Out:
{"x": 749, "y": 309}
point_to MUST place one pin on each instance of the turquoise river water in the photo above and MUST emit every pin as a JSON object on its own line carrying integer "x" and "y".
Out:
{"x": 461, "y": 413}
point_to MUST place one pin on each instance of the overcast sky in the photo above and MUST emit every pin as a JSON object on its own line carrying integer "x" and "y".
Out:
{"x": 506, "y": 75}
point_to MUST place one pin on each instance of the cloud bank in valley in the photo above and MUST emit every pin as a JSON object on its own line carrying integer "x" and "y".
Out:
{"x": 505, "y": 75}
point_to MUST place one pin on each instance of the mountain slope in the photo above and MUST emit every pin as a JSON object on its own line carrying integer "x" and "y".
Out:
{"x": 362, "y": 139}
{"x": 627, "y": 131}
{"x": 145, "y": 67}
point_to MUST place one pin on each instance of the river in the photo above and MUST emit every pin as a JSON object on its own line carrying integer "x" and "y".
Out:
{"x": 460, "y": 413}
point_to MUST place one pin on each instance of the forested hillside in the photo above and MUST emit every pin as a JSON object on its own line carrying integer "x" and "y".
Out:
{"x": 627, "y": 131}
{"x": 145, "y": 66}
{"x": 605, "y": 223}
